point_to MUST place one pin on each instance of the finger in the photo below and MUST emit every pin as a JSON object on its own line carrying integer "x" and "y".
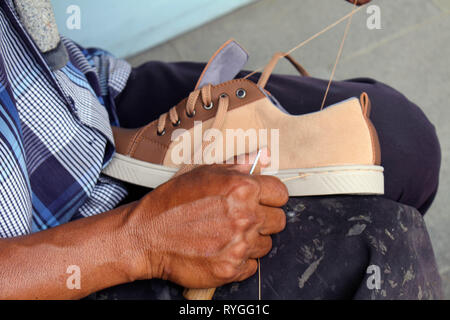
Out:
{"x": 273, "y": 192}
{"x": 359, "y": 2}
{"x": 249, "y": 268}
{"x": 274, "y": 220}
{"x": 262, "y": 246}
{"x": 244, "y": 163}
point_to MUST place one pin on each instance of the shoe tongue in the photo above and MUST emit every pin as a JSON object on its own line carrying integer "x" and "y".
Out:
{"x": 224, "y": 65}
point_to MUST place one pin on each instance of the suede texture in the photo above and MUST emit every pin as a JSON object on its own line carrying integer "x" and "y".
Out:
{"x": 336, "y": 136}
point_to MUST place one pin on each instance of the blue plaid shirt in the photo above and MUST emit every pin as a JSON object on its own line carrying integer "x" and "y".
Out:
{"x": 55, "y": 132}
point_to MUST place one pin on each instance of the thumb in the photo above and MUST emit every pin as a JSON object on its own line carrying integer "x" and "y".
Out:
{"x": 245, "y": 162}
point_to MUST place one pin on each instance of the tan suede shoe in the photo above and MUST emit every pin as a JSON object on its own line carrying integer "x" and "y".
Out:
{"x": 333, "y": 151}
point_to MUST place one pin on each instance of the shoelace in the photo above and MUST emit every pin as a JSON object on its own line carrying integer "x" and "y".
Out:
{"x": 219, "y": 119}
{"x": 205, "y": 94}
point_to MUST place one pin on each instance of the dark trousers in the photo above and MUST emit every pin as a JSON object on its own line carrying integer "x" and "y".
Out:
{"x": 334, "y": 247}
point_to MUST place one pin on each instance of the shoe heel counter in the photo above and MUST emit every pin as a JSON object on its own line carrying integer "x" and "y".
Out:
{"x": 366, "y": 107}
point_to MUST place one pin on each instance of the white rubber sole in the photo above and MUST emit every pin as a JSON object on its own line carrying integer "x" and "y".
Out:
{"x": 299, "y": 182}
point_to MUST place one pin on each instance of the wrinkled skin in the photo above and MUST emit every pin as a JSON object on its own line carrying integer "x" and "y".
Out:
{"x": 214, "y": 222}
{"x": 201, "y": 229}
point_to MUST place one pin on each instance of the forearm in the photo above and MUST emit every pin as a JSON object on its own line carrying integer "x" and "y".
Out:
{"x": 200, "y": 230}
{"x": 35, "y": 266}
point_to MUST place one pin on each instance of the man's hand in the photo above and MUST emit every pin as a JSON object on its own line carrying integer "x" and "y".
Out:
{"x": 207, "y": 227}
{"x": 359, "y": 2}
{"x": 201, "y": 229}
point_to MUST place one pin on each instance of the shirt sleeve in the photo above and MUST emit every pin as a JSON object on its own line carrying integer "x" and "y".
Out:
{"x": 106, "y": 74}
{"x": 15, "y": 198}
{"x": 107, "y": 194}
{"x": 112, "y": 75}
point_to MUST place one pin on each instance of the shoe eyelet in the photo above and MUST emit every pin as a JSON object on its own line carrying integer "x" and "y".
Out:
{"x": 208, "y": 107}
{"x": 161, "y": 133}
{"x": 223, "y": 95}
{"x": 190, "y": 115}
{"x": 176, "y": 124}
{"x": 241, "y": 93}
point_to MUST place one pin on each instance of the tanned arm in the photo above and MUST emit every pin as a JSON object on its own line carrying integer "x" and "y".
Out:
{"x": 34, "y": 266}
{"x": 199, "y": 230}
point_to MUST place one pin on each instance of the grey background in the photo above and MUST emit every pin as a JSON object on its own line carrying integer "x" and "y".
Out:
{"x": 411, "y": 53}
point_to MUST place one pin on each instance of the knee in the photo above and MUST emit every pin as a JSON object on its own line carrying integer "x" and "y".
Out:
{"x": 403, "y": 122}
{"x": 410, "y": 148}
